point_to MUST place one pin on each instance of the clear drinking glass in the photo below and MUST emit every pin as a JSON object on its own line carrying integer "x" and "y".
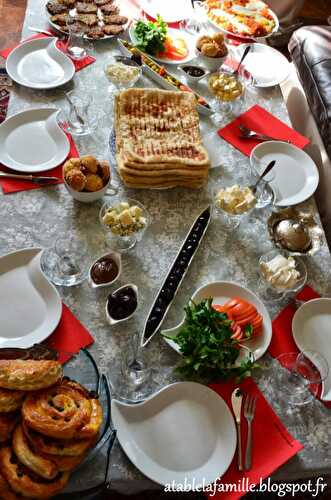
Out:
{"x": 304, "y": 372}
{"x": 198, "y": 22}
{"x": 226, "y": 109}
{"x": 82, "y": 117}
{"x": 77, "y": 45}
{"x": 270, "y": 293}
{"x": 67, "y": 262}
{"x": 264, "y": 192}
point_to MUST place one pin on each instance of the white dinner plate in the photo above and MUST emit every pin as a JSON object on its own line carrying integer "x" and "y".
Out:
{"x": 166, "y": 10}
{"x": 30, "y": 306}
{"x": 39, "y": 64}
{"x": 173, "y": 33}
{"x": 311, "y": 328}
{"x": 267, "y": 66}
{"x": 183, "y": 432}
{"x": 221, "y": 292}
{"x": 33, "y": 141}
{"x": 296, "y": 175}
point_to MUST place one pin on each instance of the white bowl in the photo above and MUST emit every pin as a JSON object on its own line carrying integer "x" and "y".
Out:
{"x": 86, "y": 197}
{"x": 118, "y": 261}
{"x": 113, "y": 321}
{"x": 190, "y": 78}
{"x": 211, "y": 63}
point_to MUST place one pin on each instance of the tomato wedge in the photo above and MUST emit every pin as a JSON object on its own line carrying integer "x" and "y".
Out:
{"x": 175, "y": 48}
{"x": 222, "y": 309}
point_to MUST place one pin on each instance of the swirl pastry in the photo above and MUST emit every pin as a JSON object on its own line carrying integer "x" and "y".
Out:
{"x": 29, "y": 375}
{"x": 10, "y": 400}
{"x": 7, "y": 425}
{"x": 6, "y": 493}
{"x": 26, "y": 482}
{"x": 64, "y": 411}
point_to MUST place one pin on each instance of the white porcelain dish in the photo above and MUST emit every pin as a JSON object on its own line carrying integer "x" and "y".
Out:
{"x": 183, "y": 432}
{"x": 221, "y": 291}
{"x": 267, "y": 66}
{"x": 39, "y": 64}
{"x": 183, "y": 9}
{"x": 173, "y": 33}
{"x": 118, "y": 261}
{"x": 32, "y": 141}
{"x": 30, "y": 306}
{"x": 311, "y": 328}
{"x": 91, "y": 197}
{"x": 113, "y": 321}
{"x": 296, "y": 175}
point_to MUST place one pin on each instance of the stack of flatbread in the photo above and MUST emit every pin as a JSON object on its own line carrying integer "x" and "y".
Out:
{"x": 158, "y": 142}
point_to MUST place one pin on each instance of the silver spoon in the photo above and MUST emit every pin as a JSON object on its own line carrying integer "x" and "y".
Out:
{"x": 269, "y": 167}
{"x": 74, "y": 109}
{"x": 248, "y": 48}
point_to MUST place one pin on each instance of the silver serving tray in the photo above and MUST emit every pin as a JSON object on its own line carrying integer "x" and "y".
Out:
{"x": 146, "y": 339}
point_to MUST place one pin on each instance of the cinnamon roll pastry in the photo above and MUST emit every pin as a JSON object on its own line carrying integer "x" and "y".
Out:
{"x": 65, "y": 464}
{"x": 10, "y": 400}
{"x": 6, "y": 493}
{"x": 26, "y": 482}
{"x": 8, "y": 422}
{"x": 63, "y": 411}
{"x": 40, "y": 465}
{"x": 29, "y": 375}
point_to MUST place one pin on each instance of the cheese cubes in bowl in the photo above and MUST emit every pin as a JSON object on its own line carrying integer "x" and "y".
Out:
{"x": 125, "y": 218}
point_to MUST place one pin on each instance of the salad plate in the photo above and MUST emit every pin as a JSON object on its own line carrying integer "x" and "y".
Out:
{"x": 33, "y": 141}
{"x": 296, "y": 175}
{"x": 184, "y": 432}
{"x": 311, "y": 332}
{"x": 39, "y": 64}
{"x": 30, "y": 306}
{"x": 221, "y": 292}
{"x": 174, "y": 34}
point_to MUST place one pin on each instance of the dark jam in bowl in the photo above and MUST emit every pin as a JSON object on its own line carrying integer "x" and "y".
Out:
{"x": 123, "y": 303}
{"x": 194, "y": 71}
{"x": 104, "y": 270}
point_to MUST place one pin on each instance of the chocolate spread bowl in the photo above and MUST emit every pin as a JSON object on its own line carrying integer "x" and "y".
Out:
{"x": 105, "y": 274}
{"x": 128, "y": 307}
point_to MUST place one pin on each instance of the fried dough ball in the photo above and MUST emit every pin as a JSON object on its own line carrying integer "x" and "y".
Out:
{"x": 210, "y": 49}
{"x": 222, "y": 51}
{"x": 70, "y": 165}
{"x": 104, "y": 170}
{"x": 218, "y": 38}
{"x": 93, "y": 182}
{"x": 89, "y": 164}
{"x": 76, "y": 180}
{"x": 202, "y": 40}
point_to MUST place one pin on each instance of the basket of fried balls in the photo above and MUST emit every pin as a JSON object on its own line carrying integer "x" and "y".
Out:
{"x": 212, "y": 50}
{"x": 86, "y": 178}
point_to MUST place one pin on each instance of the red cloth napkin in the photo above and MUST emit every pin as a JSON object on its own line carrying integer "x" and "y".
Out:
{"x": 259, "y": 120}
{"x": 282, "y": 339}
{"x": 272, "y": 443}
{"x": 86, "y": 61}
{"x": 15, "y": 185}
{"x": 69, "y": 337}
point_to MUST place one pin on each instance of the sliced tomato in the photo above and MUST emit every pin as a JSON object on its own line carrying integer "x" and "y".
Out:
{"x": 237, "y": 332}
{"x": 175, "y": 48}
{"x": 222, "y": 309}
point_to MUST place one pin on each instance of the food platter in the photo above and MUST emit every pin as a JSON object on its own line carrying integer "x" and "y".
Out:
{"x": 33, "y": 141}
{"x": 30, "y": 306}
{"x": 184, "y": 432}
{"x": 39, "y": 64}
{"x": 221, "y": 17}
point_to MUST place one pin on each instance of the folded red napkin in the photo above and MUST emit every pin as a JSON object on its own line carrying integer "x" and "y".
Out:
{"x": 267, "y": 429}
{"x": 69, "y": 337}
{"x": 282, "y": 339}
{"x": 15, "y": 185}
{"x": 86, "y": 61}
{"x": 259, "y": 120}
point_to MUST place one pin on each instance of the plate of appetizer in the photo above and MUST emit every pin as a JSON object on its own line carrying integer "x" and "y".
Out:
{"x": 164, "y": 44}
{"x": 99, "y": 19}
{"x": 39, "y": 64}
{"x": 226, "y": 328}
{"x": 183, "y": 432}
{"x": 161, "y": 76}
{"x": 246, "y": 19}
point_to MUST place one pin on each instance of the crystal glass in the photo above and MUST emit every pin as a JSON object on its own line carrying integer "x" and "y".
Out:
{"x": 77, "y": 46}
{"x": 271, "y": 293}
{"x": 302, "y": 375}
{"x": 83, "y": 118}
{"x": 264, "y": 192}
{"x": 67, "y": 262}
{"x": 227, "y": 109}
{"x": 119, "y": 242}
{"x": 118, "y": 83}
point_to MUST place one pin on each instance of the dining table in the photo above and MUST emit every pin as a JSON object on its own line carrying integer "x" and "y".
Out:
{"x": 33, "y": 218}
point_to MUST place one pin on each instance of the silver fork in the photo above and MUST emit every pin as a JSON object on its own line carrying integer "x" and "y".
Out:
{"x": 249, "y": 412}
{"x": 246, "y": 133}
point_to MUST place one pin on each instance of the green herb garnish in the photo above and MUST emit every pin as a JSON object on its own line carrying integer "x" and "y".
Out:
{"x": 150, "y": 36}
{"x": 207, "y": 346}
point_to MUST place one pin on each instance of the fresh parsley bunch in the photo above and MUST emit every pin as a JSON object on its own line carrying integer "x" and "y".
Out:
{"x": 207, "y": 346}
{"x": 150, "y": 36}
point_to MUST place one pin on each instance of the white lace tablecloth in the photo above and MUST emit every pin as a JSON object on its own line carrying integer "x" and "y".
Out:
{"x": 33, "y": 218}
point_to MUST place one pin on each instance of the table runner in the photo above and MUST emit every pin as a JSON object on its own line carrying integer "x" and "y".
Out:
{"x": 221, "y": 256}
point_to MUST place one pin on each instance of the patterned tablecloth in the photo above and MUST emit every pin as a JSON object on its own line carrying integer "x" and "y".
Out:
{"x": 33, "y": 218}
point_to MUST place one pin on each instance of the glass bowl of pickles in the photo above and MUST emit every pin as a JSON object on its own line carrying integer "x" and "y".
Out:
{"x": 228, "y": 89}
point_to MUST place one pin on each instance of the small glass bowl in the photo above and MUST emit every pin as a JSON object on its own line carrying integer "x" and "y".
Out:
{"x": 123, "y": 243}
{"x": 115, "y": 82}
{"x": 270, "y": 293}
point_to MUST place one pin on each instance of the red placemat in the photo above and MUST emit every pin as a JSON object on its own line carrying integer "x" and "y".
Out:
{"x": 282, "y": 339}
{"x": 69, "y": 337}
{"x": 267, "y": 428}
{"x": 15, "y": 185}
{"x": 259, "y": 120}
{"x": 82, "y": 63}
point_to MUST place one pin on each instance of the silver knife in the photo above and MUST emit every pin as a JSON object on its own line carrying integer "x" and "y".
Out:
{"x": 38, "y": 179}
{"x": 236, "y": 401}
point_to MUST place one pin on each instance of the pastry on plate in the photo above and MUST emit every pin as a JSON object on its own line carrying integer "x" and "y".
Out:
{"x": 8, "y": 422}
{"x": 6, "y": 493}
{"x": 115, "y": 19}
{"x": 29, "y": 375}
{"x": 10, "y": 400}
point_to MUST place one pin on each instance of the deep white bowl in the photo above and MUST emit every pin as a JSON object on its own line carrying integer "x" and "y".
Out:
{"x": 211, "y": 63}
{"x": 86, "y": 197}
